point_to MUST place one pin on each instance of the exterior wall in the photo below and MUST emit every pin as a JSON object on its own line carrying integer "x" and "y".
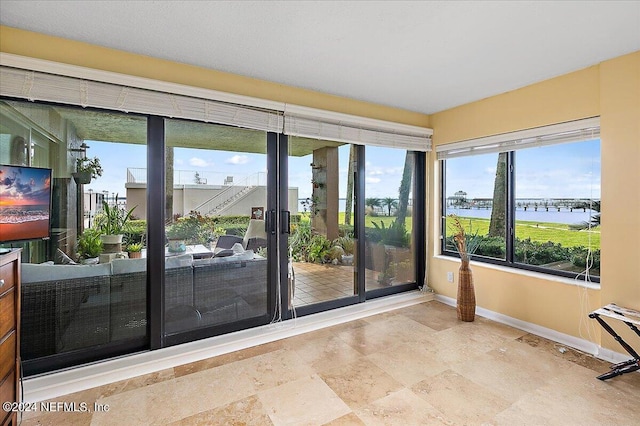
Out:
{"x": 610, "y": 90}
{"x": 187, "y": 197}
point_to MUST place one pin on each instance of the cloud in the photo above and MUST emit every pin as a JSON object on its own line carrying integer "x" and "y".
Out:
{"x": 237, "y": 159}
{"x": 372, "y": 180}
{"x": 198, "y": 162}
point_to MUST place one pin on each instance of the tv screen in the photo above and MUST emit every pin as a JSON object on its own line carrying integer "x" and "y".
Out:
{"x": 25, "y": 203}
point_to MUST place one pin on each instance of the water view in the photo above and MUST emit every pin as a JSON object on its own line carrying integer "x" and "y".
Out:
{"x": 566, "y": 217}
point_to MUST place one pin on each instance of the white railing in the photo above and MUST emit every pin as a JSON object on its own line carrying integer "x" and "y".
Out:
{"x": 189, "y": 177}
{"x": 230, "y": 194}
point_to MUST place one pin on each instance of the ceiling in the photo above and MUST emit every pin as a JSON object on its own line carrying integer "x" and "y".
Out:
{"x": 423, "y": 56}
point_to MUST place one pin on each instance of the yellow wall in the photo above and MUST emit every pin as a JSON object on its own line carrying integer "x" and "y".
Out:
{"x": 40, "y": 46}
{"x": 612, "y": 91}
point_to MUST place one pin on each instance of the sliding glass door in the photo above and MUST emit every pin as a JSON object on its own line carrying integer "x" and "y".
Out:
{"x": 216, "y": 202}
{"x": 321, "y": 267}
{"x": 223, "y": 228}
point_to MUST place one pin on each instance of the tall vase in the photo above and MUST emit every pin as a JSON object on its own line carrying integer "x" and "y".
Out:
{"x": 466, "y": 305}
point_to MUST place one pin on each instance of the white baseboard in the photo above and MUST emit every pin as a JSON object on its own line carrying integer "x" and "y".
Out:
{"x": 61, "y": 383}
{"x": 565, "y": 339}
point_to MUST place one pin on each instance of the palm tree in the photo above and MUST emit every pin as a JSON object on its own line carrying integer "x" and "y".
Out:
{"x": 350, "y": 182}
{"x": 405, "y": 188}
{"x": 595, "y": 219}
{"x": 498, "y": 224}
{"x": 389, "y": 203}
{"x": 373, "y": 203}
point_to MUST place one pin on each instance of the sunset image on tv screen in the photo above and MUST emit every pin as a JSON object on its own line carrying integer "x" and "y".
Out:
{"x": 25, "y": 199}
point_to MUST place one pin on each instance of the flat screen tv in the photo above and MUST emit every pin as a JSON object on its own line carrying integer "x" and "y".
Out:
{"x": 25, "y": 203}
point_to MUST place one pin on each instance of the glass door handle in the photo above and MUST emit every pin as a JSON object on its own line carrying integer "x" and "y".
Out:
{"x": 270, "y": 222}
{"x": 285, "y": 219}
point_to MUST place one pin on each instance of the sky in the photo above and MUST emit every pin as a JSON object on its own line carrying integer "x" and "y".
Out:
{"x": 570, "y": 170}
{"x": 558, "y": 171}
{"x": 384, "y": 167}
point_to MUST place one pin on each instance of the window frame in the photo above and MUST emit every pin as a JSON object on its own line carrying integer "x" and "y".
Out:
{"x": 509, "y": 260}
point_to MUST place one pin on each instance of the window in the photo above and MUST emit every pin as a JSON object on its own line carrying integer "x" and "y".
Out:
{"x": 533, "y": 202}
{"x": 389, "y": 240}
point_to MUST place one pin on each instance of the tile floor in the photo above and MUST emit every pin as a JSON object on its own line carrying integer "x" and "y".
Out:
{"x": 412, "y": 366}
{"x": 321, "y": 282}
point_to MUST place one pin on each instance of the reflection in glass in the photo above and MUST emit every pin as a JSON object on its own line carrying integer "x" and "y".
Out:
{"x": 80, "y": 291}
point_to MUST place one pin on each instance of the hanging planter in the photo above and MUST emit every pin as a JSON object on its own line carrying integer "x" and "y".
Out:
{"x": 86, "y": 169}
{"x": 82, "y": 178}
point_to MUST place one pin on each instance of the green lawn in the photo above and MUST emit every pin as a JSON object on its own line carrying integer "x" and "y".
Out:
{"x": 536, "y": 231}
{"x": 368, "y": 222}
{"x": 540, "y": 232}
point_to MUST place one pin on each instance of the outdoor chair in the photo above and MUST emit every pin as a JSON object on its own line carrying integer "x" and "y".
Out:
{"x": 255, "y": 237}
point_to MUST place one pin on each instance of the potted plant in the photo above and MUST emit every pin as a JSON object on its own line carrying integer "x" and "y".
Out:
{"x": 348, "y": 245}
{"x": 177, "y": 234}
{"x": 135, "y": 250}
{"x": 87, "y": 169}
{"x": 90, "y": 246}
{"x": 113, "y": 222}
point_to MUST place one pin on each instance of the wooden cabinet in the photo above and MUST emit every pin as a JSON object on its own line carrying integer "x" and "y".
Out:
{"x": 9, "y": 333}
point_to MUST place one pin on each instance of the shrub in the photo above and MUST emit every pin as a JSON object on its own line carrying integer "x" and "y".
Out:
{"x": 231, "y": 220}
{"x": 136, "y": 231}
{"x": 347, "y": 244}
{"x": 299, "y": 241}
{"x": 194, "y": 229}
{"x": 579, "y": 257}
{"x": 492, "y": 247}
{"x": 319, "y": 249}
{"x": 90, "y": 244}
{"x": 537, "y": 253}
{"x": 394, "y": 235}
{"x": 346, "y": 231}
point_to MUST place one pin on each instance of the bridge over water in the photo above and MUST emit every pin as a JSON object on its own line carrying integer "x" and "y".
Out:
{"x": 535, "y": 204}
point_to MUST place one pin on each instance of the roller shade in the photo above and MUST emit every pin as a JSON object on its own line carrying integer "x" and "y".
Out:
{"x": 317, "y": 124}
{"x": 40, "y": 86}
{"x": 572, "y": 131}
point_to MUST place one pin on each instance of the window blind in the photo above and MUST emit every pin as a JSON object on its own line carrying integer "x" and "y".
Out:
{"x": 40, "y": 86}
{"x": 317, "y": 124}
{"x": 33, "y": 79}
{"x": 571, "y": 131}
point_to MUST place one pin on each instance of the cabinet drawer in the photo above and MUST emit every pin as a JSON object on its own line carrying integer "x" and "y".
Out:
{"x": 8, "y": 354}
{"x": 7, "y": 313}
{"x": 7, "y": 275}
{"x": 8, "y": 390}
